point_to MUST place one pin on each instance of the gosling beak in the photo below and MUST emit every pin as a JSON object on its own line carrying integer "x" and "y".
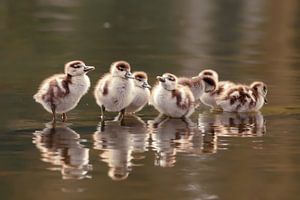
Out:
{"x": 146, "y": 85}
{"x": 161, "y": 79}
{"x": 129, "y": 75}
{"x": 88, "y": 68}
{"x": 266, "y": 101}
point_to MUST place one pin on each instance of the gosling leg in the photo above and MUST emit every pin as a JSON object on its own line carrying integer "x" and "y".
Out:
{"x": 53, "y": 108}
{"x": 64, "y": 117}
{"x": 159, "y": 119}
{"x": 102, "y": 108}
{"x": 120, "y": 117}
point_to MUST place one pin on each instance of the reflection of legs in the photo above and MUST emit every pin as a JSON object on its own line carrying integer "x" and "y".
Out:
{"x": 102, "y": 116}
{"x": 53, "y": 107}
{"x": 188, "y": 121}
{"x": 159, "y": 119}
{"x": 102, "y": 108}
{"x": 209, "y": 143}
{"x": 64, "y": 117}
{"x": 121, "y": 117}
{"x": 166, "y": 158}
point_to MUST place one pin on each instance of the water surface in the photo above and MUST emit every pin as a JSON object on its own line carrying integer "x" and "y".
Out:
{"x": 215, "y": 156}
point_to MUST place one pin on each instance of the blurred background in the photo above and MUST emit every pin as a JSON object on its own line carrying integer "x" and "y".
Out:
{"x": 256, "y": 157}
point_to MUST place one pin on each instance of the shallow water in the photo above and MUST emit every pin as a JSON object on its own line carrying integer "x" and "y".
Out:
{"x": 215, "y": 156}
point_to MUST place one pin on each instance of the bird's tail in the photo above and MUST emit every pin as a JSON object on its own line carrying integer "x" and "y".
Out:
{"x": 37, "y": 97}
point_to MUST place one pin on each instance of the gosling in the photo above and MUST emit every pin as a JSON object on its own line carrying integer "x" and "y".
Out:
{"x": 141, "y": 92}
{"x": 209, "y": 97}
{"x": 198, "y": 85}
{"x": 243, "y": 98}
{"x": 114, "y": 91}
{"x": 61, "y": 93}
{"x": 172, "y": 99}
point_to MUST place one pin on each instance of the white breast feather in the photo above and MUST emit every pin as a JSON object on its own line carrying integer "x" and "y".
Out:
{"x": 119, "y": 93}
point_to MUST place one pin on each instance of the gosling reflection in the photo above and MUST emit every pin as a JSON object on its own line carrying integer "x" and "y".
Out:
{"x": 121, "y": 146}
{"x": 174, "y": 136}
{"x": 60, "y": 146}
{"x": 233, "y": 124}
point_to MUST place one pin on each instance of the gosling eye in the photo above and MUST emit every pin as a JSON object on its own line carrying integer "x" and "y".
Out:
{"x": 171, "y": 79}
{"x": 76, "y": 66}
{"x": 121, "y": 69}
{"x": 265, "y": 89}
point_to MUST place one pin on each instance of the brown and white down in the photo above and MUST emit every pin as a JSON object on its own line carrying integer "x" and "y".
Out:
{"x": 198, "y": 85}
{"x": 141, "y": 92}
{"x": 61, "y": 93}
{"x": 209, "y": 98}
{"x": 172, "y": 99}
{"x": 114, "y": 91}
{"x": 243, "y": 98}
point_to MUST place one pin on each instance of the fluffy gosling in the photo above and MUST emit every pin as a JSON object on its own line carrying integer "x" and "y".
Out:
{"x": 114, "y": 91}
{"x": 141, "y": 92}
{"x": 172, "y": 99}
{"x": 61, "y": 93}
{"x": 243, "y": 98}
{"x": 209, "y": 98}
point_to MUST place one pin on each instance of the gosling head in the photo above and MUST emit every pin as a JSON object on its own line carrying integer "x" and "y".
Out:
{"x": 141, "y": 80}
{"x": 77, "y": 68}
{"x": 260, "y": 88}
{"x": 168, "y": 81}
{"x": 210, "y": 73}
{"x": 209, "y": 84}
{"x": 121, "y": 69}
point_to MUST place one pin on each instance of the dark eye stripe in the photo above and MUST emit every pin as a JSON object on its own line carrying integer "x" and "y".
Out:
{"x": 121, "y": 67}
{"x": 171, "y": 78}
{"x": 265, "y": 89}
{"x": 207, "y": 73}
{"x": 76, "y": 65}
{"x": 139, "y": 77}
